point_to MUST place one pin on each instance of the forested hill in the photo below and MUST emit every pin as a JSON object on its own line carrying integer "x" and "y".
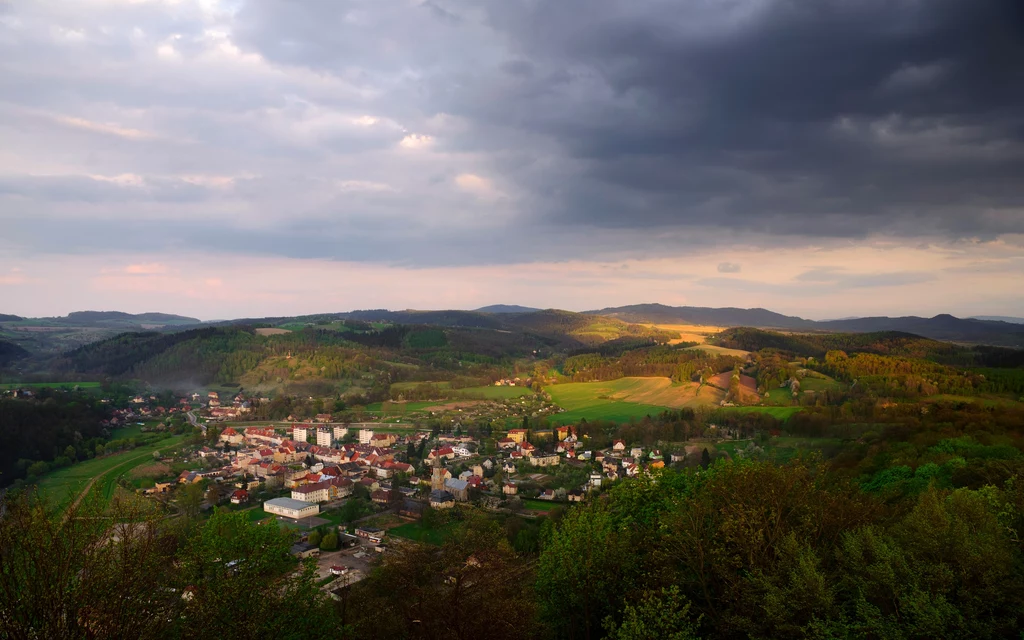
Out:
{"x": 6, "y": 317}
{"x": 10, "y": 352}
{"x": 886, "y": 343}
{"x": 940, "y": 327}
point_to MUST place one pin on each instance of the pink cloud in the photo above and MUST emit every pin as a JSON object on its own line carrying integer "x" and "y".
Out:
{"x": 151, "y": 268}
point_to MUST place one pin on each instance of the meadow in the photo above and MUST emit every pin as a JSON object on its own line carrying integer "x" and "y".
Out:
{"x": 64, "y": 485}
{"x": 779, "y": 413}
{"x": 627, "y": 398}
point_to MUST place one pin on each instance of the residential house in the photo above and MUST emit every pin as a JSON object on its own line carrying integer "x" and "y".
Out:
{"x": 381, "y": 496}
{"x": 619, "y": 445}
{"x": 545, "y": 460}
{"x": 517, "y": 435}
{"x": 506, "y": 443}
{"x": 510, "y": 489}
{"x": 231, "y": 436}
{"x": 576, "y": 495}
{"x": 323, "y": 417}
{"x": 239, "y": 496}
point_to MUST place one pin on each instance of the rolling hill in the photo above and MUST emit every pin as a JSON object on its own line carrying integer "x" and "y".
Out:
{"x": 940, "y": 327}
{"x": 506, "y": 308}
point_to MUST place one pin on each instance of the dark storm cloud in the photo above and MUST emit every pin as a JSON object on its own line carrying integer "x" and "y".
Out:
{"x": 906, "y": 116}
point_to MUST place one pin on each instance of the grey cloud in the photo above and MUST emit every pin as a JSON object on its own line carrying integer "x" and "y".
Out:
{"x": 728, "y": 267}
{"x": 619, "y": 129}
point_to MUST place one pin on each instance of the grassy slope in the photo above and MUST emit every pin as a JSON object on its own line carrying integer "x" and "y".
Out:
{"x": 415, "y": 531}
{"x": 64, "y": 485}
{"x": 594, "y": 400}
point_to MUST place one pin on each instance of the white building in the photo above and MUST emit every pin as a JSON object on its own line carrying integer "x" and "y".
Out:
{"x": 340, "y": 433}
{"x": 317, "y": 492}
{"x": 291, "y": 508}
{"x": 462, "y": 452}
{"x": 324, "y": 437}
{"x": 365, "y": 435}
{"x": 300, "y": 434}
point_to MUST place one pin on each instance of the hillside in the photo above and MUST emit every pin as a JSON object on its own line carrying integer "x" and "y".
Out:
{"x": 940, "y": 327}
{"x": 884, "y": 343}
{"x": 6, "y": 317}
{"x": 10, "y": 353}
{"x": 506, "y": 308}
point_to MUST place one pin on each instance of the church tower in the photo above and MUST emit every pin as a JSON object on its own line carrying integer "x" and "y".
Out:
{"x": 437, "y": 475}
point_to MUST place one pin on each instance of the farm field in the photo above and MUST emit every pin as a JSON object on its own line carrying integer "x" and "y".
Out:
{"x": 688, "y": 332}
{"x": 64, "y": 485}
{"x": 628, "y": 398}
{"x": 494, "y": 393}
{"x": 271, "y": 331}
{"x": 748, "y": 386}
{"x": 720, "y": 351}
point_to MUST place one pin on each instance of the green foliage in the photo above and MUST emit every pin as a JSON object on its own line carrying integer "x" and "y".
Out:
{"x": 314, "y": 538}
{"x": 659, "y": 615}
{"x": 329, "y": 542}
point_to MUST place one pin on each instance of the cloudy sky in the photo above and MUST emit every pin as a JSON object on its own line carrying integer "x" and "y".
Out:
{"x": 225, "y": 158}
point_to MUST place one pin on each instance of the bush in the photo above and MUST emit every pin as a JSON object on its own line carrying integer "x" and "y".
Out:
{"x": 314, "y": 538}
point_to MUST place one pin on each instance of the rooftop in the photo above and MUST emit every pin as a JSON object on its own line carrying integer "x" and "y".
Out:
{"x": 289, "y": 503}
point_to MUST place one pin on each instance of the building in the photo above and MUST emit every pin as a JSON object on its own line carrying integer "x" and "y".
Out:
{"x": 231, "y": 436}
{"x": 316, "y": 492}
{"x": 324, "y": 437}
{"x": 506, "y": 443}
{"x": 373, "y": 534}
{"x": 545, "y": 460}
{"x": 458, "y": 488}
{"x": 619, "y": 445}
{"x": 291, "y": 508}
{"x": 340, "y": 433}
{"x": 517, "y": 435}
{"x": 510, "y": 489}
{"x": 323, "y": 417}
{"x": 365, "y": 435}
{"x": 437, "y": 476}
{"x": 441, "y": 499}
{"x": 381, "y": 496}
{"x": 300, "y": 434}
{"x": 239, "y": 496}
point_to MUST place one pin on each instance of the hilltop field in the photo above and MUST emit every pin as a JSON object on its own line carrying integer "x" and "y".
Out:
{"x": 627, "y": 398}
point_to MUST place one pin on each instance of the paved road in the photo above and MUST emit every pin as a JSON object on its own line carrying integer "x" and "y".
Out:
{"x": 195, "y": 422}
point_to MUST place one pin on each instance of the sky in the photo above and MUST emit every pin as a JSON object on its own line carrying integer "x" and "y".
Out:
{"x": 244, "y": 158}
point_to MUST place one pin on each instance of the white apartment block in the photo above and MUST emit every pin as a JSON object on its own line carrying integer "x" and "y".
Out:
{"x": 324, "y": 437}
{"x": 365, "y": 435}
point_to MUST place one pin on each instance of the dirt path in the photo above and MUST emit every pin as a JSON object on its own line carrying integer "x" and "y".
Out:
{"x": 81, "y": 496}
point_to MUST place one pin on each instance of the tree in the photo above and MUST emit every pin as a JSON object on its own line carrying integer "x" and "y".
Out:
{"x": 705, "y": 458}
{"x": 70, "y": 453}
{"x": 329, "y": 542}
{"x": 659, "y": 615}
{"x": 314, "y": 538}
{"x": 190, "y": 499}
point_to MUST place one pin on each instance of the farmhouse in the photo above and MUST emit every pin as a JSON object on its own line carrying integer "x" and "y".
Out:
{"x": 291, "y": 508}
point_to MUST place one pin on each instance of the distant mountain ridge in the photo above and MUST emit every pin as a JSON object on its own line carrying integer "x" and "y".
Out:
{"x": 940, "y": 327}
{"x": 506, "y": 308}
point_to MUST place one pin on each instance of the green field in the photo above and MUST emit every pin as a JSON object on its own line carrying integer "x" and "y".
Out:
{"x": 494, "y": 393}
{"x": 398, "y": 408}
{"x": 590, "y": 400}
{"x": 780, "y": 413}
{"x": 539, "y": 505}
{"x": 415, "y": 531}
{"x": 49, "y": 385}
{"x": 64, "y": 485}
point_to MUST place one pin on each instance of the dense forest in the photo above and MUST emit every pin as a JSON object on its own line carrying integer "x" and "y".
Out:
{"x": 54, "y": 428}
{"x": 678, "y": 363}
